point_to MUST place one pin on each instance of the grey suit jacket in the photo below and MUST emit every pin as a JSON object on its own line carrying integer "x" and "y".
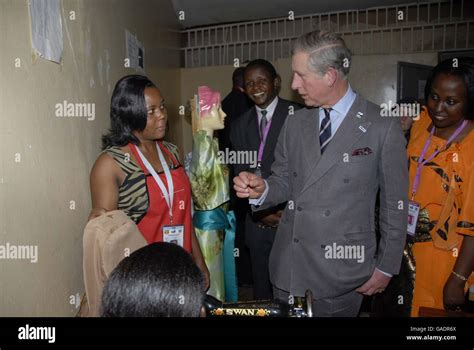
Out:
{"x": 329, "y": 219}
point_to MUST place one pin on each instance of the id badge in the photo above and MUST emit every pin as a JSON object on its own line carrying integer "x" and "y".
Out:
{"x": 174, "y": 234}
{"x": 413, "y": 211}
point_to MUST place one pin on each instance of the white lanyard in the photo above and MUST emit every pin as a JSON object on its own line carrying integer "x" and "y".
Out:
{"x": 168, "y": 194}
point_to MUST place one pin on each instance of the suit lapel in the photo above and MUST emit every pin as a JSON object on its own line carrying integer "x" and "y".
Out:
{"x": 278, "y": 119}
{"x": 310, "y": 138}
{"x": 351, "y": 129}
{"x": 252, "y": 134}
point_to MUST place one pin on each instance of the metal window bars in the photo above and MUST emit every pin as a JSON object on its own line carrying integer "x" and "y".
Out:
{"x": 408, "y": 28}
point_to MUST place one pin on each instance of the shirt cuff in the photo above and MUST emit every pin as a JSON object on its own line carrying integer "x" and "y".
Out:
{"x": 386, "y": 273}
{"x": 259, "y": 201}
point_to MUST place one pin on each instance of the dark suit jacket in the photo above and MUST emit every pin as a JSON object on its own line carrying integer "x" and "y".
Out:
{"x": 234, "y": 105}
{"x": 244, "y": 136}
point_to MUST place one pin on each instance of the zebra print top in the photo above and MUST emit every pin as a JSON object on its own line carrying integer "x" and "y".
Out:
{"x": 133, "y": 193}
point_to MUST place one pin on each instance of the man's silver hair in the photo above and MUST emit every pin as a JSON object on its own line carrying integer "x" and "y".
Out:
{"x": 326, "y": 50}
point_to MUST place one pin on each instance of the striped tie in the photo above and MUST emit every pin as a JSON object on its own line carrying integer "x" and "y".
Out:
{"x": 325, "y": 131}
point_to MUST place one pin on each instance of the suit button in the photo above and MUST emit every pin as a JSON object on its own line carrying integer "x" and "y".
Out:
{"x": 346, "y": 181}
{"x": 327, "y": 213}
{"x": 294, "y": 174}
{"x": 299, "y": 208}
{"x": 296, "y": 240}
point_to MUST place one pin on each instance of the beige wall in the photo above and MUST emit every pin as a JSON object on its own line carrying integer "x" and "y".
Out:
{"x": 373, "y": 76}
{"x": 57, "y": 153}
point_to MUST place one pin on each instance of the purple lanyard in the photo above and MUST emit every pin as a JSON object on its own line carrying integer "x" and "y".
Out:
{"x": 263, "y": 138}
{"x": 422, "y": 162}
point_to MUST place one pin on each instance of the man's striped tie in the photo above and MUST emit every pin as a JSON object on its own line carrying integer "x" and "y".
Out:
{"x": 325, "y": 131}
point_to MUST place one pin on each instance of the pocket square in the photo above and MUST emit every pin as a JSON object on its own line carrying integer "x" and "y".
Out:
{"x": 362, "y": 151}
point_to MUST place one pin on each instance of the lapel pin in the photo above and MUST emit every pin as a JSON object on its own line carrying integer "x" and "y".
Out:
{"x": 362, "y": 128}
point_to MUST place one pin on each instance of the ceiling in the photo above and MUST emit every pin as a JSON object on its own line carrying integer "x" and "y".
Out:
{"x": 209, "y": 12}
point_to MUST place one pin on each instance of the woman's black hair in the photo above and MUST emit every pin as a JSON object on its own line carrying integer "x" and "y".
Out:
{"x": 263, "y": 64}
{"x": 158, "y": 280}
{"x": 127, "y": 111}
{"x": 462, "y": 67}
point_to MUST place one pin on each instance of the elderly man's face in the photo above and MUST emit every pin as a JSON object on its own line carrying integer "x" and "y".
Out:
{"x": 312, "y": 87}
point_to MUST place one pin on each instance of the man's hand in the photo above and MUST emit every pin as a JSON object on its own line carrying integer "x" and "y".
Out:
{"x": 376, "y": 284}
{"x": 248, "y": 185}
{"x": 271, "y": 219}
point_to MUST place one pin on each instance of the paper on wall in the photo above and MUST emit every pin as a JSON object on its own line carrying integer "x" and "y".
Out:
{"x": 46, "y": 28}
{"x": 135, "y": 52}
